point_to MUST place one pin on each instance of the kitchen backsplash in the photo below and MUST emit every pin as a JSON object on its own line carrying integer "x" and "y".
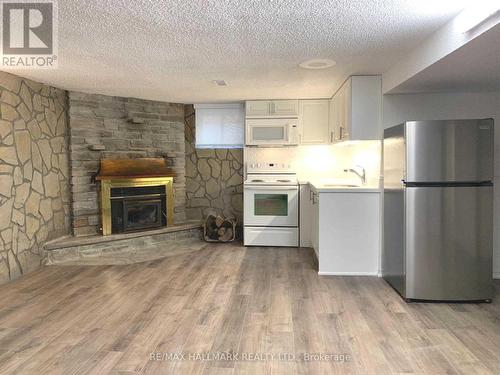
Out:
{"x": 324, "y": 161}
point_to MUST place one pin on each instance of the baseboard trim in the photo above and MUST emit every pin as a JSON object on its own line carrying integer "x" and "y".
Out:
{"x": 321, "y": 273}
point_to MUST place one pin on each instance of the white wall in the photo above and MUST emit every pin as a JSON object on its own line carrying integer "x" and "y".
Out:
{"x": 440, "y": 44}
{"x": 443, "y": 106}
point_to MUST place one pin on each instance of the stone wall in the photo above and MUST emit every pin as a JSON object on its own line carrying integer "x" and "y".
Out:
{"x": 113, "y": 127}
{"x": 34, "y": 172}
{"x": 214, "y": 177}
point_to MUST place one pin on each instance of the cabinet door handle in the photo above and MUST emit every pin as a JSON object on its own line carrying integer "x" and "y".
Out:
{"x": 272, "y": 108}
{"x": 341, "y": 132}
{"x": 331, "y": 137}
{"x": 310, "y": 195}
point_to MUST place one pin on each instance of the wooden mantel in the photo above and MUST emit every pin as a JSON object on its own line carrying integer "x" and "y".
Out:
{"x": 118, "y": 169}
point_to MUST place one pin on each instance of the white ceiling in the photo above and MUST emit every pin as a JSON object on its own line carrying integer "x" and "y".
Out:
{"x": 473, "y": 67}
{"x": 172, "y": 50}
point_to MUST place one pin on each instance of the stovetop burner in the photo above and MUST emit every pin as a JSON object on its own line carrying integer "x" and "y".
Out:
{"x": 271, "y": 180}
{"x": 270, "y": 174}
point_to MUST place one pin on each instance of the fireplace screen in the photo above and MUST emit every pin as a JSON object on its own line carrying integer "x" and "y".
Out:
{"x": 137, "y": 208}
{"x": 140, "y": 214}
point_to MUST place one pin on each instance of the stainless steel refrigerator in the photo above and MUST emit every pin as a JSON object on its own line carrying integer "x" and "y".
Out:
{"x": 438, "y": 210}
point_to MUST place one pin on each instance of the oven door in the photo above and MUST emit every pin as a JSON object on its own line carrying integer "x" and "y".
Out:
{"x": 275, "y": 206}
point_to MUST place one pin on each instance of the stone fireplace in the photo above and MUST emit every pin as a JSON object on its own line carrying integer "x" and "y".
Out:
{"x": 135, "y": 194}
{"x": 112, "y": 128}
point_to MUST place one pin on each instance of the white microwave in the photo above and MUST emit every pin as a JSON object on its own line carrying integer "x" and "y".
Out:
{"x": 272, "y": 132}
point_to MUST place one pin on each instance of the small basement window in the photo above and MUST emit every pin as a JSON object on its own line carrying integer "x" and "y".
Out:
{"x": 219, "y": 125}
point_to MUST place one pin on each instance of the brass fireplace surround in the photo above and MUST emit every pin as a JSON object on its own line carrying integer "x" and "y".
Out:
{"x": 120, "y": 173}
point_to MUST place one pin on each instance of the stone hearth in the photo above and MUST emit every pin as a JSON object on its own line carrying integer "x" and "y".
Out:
{"x": 126, "y": 248}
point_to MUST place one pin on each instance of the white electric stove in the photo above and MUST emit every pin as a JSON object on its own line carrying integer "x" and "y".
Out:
{"x": 271, "y": 205}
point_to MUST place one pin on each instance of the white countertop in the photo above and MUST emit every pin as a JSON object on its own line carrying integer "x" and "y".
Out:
{"x": 331, "y": 187}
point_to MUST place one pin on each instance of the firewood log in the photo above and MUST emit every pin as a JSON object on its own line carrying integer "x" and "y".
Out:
{"x": 219, "y": 221}
{"x": 217, "y": 228}
{"x": 227, "y": 236}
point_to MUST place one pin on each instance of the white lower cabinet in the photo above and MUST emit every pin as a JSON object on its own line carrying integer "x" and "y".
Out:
{"x": 315, "y": 223}
{"x": 305, "y": 215}
{"x": 343, "y": 228}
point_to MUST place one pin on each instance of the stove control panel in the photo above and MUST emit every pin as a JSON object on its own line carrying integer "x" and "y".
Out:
{"x": 269, "y": 168}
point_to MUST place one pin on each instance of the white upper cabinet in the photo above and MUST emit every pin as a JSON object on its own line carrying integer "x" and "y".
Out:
{"x": 257, "y": 108}
{"x": 357, "y": 109}
{"x": 337, "y": 114}
{"x": 272, "y": 108}
{"x": 332, "y": 119}
{"x": 285, "y": 108}
{"x": 314, "y": 121}
{"x": 353, "y": 113}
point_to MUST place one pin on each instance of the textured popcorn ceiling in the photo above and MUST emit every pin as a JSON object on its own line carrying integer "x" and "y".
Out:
{"x": 172, "y": 50}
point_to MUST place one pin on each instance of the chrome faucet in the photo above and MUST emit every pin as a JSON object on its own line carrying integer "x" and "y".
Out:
{"x": 361, "y": 175}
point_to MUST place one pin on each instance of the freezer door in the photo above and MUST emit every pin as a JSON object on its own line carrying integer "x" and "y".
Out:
{"x": 449, "y": 243}
{"x": 449, "y": 151}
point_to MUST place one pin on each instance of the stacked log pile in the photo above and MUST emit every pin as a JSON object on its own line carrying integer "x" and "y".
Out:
{"x": 219, "y": 229}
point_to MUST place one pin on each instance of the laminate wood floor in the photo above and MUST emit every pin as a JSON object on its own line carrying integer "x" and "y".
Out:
{"x": 252, "y": 303}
